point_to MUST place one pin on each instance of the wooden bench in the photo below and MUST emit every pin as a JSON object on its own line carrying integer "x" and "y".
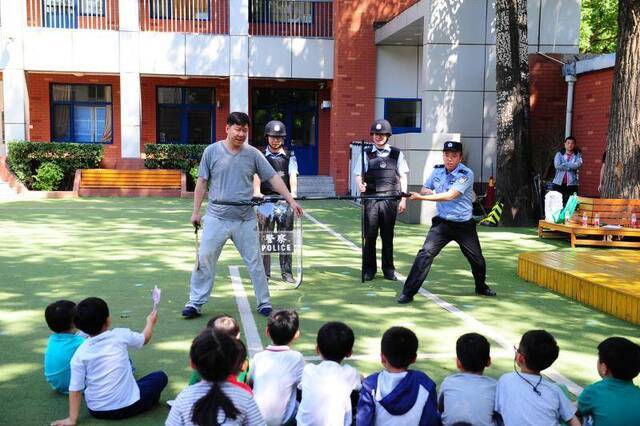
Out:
{"x": 611, "y": 211}
{"x": 117, "y": 182}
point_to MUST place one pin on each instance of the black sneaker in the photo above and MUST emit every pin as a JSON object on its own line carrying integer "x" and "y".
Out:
{"x": 190, "y": 312}
{"x": 368, "y": 277}
{"x": 265, "y": 311}
{"x": 486, "y": 291}
{"x": 391, "y": 277}
{"x": 404, "y": 299}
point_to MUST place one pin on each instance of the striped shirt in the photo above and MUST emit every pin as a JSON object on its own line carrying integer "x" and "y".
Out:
{"x": 182, "y": 409}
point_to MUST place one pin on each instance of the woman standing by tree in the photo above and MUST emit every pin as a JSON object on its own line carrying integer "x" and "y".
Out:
{"x": 567, "y": 163}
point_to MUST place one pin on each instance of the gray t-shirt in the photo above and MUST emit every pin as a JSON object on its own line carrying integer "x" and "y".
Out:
{"x": 519, "y": 405}
{"x": 468, "y": 398}
{"x": 230, "y": 178}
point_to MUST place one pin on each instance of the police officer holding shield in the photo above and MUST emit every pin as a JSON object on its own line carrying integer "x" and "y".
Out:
{"x": 450, "y": 185}
{"x": 385, "y": 173}
{"x": 277, "y": 215}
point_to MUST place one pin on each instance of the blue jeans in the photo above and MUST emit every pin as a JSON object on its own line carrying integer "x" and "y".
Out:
{"x": 151, "y": 386}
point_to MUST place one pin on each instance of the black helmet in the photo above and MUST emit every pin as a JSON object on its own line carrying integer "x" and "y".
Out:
{"x": 381, "y": 127}
{"x": 275, "y": 128}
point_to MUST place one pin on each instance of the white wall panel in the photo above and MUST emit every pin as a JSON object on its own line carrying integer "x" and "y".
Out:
{"x": 489, "y": 114}
{"x": 312, "y": 58}
{"x": 450, "y": 67}
{"x": 560, "y": 22}
{"x": 95, "y": 51}
{"x": 452, "y": 112}
{"x": 239, "y": 55}
{"x": 490, "y": 68}
{"x": 397, "y": 72}
{"x": 456, "y": 21}
{"x": 489, "y": 158}
{"x": 207, "y": 55}
{"x": 162, "y": 53}
{"x": 269, "y": 57}
{"x": 472, "y": 150}
{"x": 48, "y": 50}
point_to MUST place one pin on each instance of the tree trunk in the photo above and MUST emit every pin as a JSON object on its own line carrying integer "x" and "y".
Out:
{"x": 622, "y": 167}
{"x": 514, "y": 172}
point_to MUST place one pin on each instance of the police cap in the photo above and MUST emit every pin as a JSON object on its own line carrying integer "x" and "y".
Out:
{"x": 452, "y": 146}
{"x": 275, "y": 128}
{"x": 381, "y": 127}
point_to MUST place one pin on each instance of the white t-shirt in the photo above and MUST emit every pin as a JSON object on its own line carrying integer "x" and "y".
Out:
{"x": 276, "y": 373}
{"x": 100, "y": 367}
{"x": 326, "y": 390}
{"x": 519, "y": 405}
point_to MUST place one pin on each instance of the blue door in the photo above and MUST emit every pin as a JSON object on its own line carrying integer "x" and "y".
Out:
{"x": 60, "y": 13}
{"x": 298, "y": 110}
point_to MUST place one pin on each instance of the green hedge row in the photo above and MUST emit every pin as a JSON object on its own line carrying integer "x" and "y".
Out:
{"x": 173, "y": 156}
{"x": 24, "y": 159}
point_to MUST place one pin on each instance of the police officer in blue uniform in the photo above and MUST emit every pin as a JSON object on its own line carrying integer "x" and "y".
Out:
{"x": 385, "y": 174}
{"x": 277, "y": 215}
{"x": 450, "y": 185}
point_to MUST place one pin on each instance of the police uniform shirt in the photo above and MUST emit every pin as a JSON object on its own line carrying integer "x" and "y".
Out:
{"x": 460, "y": 179}
{"x": 293, "y": 163}
{"x": 403, "y": 168}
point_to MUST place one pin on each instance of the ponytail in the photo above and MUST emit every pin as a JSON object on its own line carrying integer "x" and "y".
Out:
{"x": 214, "y": 355}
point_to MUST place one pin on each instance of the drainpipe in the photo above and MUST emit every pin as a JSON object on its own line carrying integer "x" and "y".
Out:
{"x": 571, "y": 81}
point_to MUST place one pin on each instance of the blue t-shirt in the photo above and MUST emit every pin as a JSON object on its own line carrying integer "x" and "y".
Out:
{"x": 57, "y": 356}
{"x": 460, "y": 179}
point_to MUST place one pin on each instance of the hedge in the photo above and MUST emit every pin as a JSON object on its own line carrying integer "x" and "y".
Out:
{"x": 24, "y": 159}
{"x": 173, "y": 156}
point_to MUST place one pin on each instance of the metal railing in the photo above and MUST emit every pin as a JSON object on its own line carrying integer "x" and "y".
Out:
{"x": 73, "y": 14}
{"x": 188, "y": 16}
{"x": 291, "y": 18}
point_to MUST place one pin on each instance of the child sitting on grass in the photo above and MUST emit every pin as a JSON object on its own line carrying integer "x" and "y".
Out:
{"x": 525, "y": 398}
{"x": 277, "y": 370}
{"x": 614, "y": 400}
{"x": 228, "y": 325}
{"x": 468, "y": 396}
{"x": 398, "y": 395}
{"x": 213, "y": 400}
{"x": 62, "y": 344}
{"x": 326, "y": 387}
{"x": 101, "y": 369}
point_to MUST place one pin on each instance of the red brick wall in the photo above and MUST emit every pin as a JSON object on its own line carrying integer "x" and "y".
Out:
{"x": 39, "y": 129}
{"x": 354, "y": 77}
{"x": 592, "y": 100}
{"x": 324, "y": 116}
{"x": 149, "y": 95}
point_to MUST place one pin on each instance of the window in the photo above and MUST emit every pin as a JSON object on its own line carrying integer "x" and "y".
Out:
{"x": 180, "y": 9}
{"x": 92, "y": 7}
{"x": 185, "y": 115}
{"x": 405, "y": 115}
{"x": 282, "y": 11}
{"x": 81, "y": 113}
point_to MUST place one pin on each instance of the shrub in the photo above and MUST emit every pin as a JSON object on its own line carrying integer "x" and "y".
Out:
{"x": 194, "y": 173}
{"x": 25, "y": 158}
{"x": 170, "y": 156}
{"x": 48, "y": 177}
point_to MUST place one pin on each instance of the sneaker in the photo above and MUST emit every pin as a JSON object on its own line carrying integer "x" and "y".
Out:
{"x": 190, "y": 312}
{"x": 486, "y": 291}
{"x": 404, "y": 299}
{"x": 265, "y": 311}
{"x": 391, "y": 276}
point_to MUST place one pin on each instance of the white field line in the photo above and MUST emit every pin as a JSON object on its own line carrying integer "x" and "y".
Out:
{"x": 468, "y": 319}
{"x": 254, "y": 344}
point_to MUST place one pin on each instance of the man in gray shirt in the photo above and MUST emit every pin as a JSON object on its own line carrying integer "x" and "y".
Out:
{"x": 228, "y": 167}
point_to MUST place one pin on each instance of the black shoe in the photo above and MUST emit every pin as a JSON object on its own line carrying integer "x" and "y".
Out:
{"x": 190, "y": 312}
{"x": 265, "y": 311}
{"x": 391, "y": 277}
{"x": 368, "y": 277}
{"x": 288, "y": 278}
{"x": 486, "y": 291}
{"x": 404, "y": 299}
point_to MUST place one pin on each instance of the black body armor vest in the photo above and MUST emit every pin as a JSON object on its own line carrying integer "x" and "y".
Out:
{"x": 382, "y": 172}
{"x": 280, "y": 164}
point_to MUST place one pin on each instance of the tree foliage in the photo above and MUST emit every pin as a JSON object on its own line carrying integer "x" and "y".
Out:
{"x": 599, "y": 26}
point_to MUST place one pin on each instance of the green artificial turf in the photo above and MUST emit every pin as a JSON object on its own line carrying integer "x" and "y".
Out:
{"x": 118, "y": 249}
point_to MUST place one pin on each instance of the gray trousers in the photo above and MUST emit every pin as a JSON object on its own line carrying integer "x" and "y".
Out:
{"x": 216, "y": 232}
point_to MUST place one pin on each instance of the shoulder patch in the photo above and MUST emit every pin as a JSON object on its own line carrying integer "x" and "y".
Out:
{"x": 439, "y": 166}
{"x": 463, "y": 171}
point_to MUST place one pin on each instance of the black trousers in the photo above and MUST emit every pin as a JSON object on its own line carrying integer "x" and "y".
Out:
{"x": 379, "y": 215}
{"x": 281, "y": 222}
{"x": 441, "y": 233}
{"x": 566, "y": 191}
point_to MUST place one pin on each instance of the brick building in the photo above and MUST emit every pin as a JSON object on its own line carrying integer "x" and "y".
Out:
{"x": 127, "y": 73}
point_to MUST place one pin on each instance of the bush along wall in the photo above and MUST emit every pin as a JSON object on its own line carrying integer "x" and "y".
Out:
{"x": 172, "y": 156}
{"x": 26, "y": 158}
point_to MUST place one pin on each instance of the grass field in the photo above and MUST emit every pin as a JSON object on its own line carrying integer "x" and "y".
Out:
{"x": 118, "y": 249}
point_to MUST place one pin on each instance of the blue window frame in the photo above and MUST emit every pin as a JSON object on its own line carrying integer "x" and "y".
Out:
{"x": 405, "y": 115}
{"x": 165, "y": 9}
{"x": 81, "y": 113}
{"x": 64, "y": 13}
{"x": 185, "y": 115}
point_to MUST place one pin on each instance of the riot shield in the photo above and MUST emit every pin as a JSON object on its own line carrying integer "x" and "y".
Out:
{"x": 280, "y": 235}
